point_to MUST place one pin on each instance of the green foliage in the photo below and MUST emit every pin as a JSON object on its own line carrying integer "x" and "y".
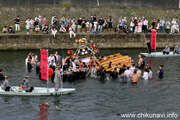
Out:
{"x": 67, "y": 4}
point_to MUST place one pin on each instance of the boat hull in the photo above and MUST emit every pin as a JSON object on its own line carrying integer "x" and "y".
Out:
{"x": 38, "y": 91}
{"x": 159, "y": 54}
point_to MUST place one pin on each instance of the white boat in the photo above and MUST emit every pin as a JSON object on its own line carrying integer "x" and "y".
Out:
{"x": 38, "y": 91}
{"x": 159, "y": 54}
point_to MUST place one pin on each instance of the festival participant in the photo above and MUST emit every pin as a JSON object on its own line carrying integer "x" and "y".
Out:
{"x": 139, "y": 72}
{"x": 123, "y": 77}
{"x": 50, "y": 58}
{"x": 1, "y": 75}
{"x": 92, "y": 72}
{"x": 114, "y": 74}
{"x": 148, "y": 46}
{"x": 134, "y": 78}
{"x": 150, "y": 73}
{"x": 145, "y": 75}
{"x": 122, "y": 69}
{"x": 128, "y": 72}
{"x": 103, "y": 75}
{"x": 50, "y": 72}
{"x": 147, "y": 68}
{"x": 38, "y": 67}
{"x": 26, "y": 84}
{"x": 161, "y": 72}
{"x": 29, "y": 65}
{"x": 6, "y": 86}
{"x": 132, "y": 68}
{"x": 141, "y": 62}
{"x": 177, "y": 50}
{"x": 166, "y": 50}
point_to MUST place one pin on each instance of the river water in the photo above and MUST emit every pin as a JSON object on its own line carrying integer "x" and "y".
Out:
{"x": 93, "y": 100}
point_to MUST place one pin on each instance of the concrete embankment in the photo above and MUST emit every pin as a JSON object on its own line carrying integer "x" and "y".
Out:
{"x": 62, "y": 41}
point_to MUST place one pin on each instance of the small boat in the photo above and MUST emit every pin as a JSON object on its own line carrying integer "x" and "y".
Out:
{"x": 159, "y": 54}
{"x": 38, "y": 91}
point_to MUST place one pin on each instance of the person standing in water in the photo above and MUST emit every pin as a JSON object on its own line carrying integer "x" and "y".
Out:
{"x": 141, "y": 62}
{"x": 57, "y": 79}
{"x": 148, "y": 46}
{"x": 161, "y": 71}
{"x": 134, "y": 78}
{"x": 6, "y": 86}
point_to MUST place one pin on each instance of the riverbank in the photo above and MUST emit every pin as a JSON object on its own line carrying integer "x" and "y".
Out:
{"x": 102, "y": 40}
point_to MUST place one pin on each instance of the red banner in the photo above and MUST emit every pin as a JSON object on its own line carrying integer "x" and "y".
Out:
{"x": 44, "y": 62}
{"x": 153, "y": 39}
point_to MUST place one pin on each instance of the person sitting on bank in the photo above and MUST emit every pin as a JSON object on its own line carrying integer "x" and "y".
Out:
{"x": 45, "y": 30}
{"x": 53, "y": 31}
{"x": 177, "y": 50}
{"x": 62, "y": 30}
{"x": 37, "y": 29}
{"x": 166, "y": 50}
{"x": 26, "y": 84}
{"x": 6, "y": 86}
{"x": 4, "y": 30}
{"x": 11, "y": 29}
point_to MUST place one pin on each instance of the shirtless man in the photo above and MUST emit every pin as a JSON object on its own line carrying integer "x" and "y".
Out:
{"x": 134, "y": 78}
{"x": 141, "y": 62}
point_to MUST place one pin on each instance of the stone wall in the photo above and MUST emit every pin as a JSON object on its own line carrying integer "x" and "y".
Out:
{"x": 62, "y": 41}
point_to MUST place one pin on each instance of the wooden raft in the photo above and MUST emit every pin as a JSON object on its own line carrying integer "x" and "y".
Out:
{"x": 117, "y": 61}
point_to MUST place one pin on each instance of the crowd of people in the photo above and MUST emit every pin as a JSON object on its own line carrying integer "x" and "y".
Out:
{"x": 70, "y": 69}
{"x": 92, "y": 24}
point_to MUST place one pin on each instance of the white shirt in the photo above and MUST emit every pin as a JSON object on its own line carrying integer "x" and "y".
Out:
{"x": 95, "y": 24}
{"x": 145, "y": 75}
{"x": 128, "y": 73}
{"x": 145, "y": 22}
{"x": 27, "y": 24}
{"x": 50, "y": 59}
{"x": 132, "y": 69}
{"x": 150, "y": 74}
{"x": 74, "y": 66}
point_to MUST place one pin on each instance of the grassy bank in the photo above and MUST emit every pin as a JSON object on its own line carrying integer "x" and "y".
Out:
{"x": 8, "y": 14}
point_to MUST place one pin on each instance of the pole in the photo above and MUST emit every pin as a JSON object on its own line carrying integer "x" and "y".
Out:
{"x": 47, "y": 74}
{"x": 62, "y": 78}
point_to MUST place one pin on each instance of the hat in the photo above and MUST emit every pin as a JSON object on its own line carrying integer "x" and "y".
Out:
{"x": 26, "y": 75}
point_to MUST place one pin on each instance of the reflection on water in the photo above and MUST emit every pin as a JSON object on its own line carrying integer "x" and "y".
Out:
{"x": 93, "y": 99}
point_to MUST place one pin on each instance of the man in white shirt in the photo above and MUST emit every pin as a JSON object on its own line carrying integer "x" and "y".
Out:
{"x": 173, "y": 27}
{"x": 145, "y": 25}
{"x": 128, "y": 72}
{"x": 50, "y": 58}
{"x": 145, "y": 75}
{"x": 150, "y": 73}
{"x": 27, "y": 22}
{"x": 132, "y": 68}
